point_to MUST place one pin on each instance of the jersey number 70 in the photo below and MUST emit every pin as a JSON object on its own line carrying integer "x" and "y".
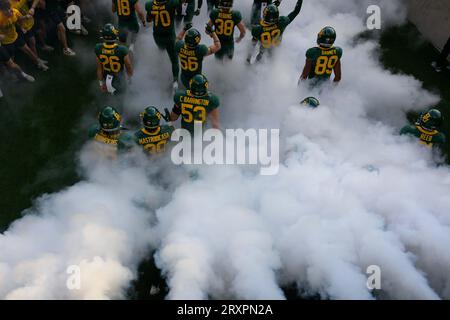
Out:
{"x": 162, "y": 16}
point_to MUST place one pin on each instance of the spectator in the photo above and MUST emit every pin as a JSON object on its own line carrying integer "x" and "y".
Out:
{"x": 55, "y": 15}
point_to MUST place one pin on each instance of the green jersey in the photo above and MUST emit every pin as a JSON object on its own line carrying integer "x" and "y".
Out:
{"x": 194, "y": 109}
{"x": 163, "y": 16}
{"x": 224, "y": 22}
{"x": 324, "y": 60}
{"x": 191, "y": 59}
{"x": 112, "y": 57}
{"x": 426, "y": 137}
{"x": 109, "y": 144}
{"x": 125, "y": 9}
{"x": 154, "y": 142}
{"x": 270, "y": 35}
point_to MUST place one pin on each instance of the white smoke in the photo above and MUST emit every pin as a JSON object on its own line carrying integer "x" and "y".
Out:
{"x": 350, "y": 192}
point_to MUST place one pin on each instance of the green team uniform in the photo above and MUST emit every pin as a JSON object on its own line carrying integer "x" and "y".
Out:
{"x": 163, "y": 17}
{"x": 191, "y": 60}
{"x": 426, "y": 137}
{"x": 112, "y": 56}
{"x": 324, "y": 61}
{"x": 128, "y": 21}
{"x": 225, "y": 23}
{"x": 154, "y": 143}
{"x": 270, "y": 35}
{"x": 190, "y": 10}
{"x": 194, "y": 109}
{"x": 110, "y": 144}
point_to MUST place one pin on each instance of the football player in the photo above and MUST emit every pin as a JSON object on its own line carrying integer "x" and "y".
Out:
{"x": 162, "y": 14}
{"x": 269, "y": 31}
{"x": 225, "y": 20}
{"x": 426, "y": 128}
{"x": 186, "y": 11}
{"x": 310, "y": 102}
{"x": 321, "y": 61}
{"x": 112, "y": 59}
{"x": 153, "y": 137}
{"x": 258, "y": 7}
{"x": 128, "y": 11}
{"x": 191, "y": 52}
{"x": 108, "y": 133}
{"x": 196, "y": 105}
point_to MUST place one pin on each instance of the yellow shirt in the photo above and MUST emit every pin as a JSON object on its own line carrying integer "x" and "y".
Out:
{"x": 8, "y": 26}
{"x": 24, "y": 9}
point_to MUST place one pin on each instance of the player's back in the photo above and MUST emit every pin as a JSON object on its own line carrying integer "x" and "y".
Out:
{"x": 425, "y": 137}
{"x": 125, "y": 9}
{"x": 163, "y": 15}
{"x": 154, "y": 142}
{"x": 195, "y": 109}
{"x": 112, "y": 56}
{"x": 324, "y": 61}
{"x": 191, "y": 59}
{"x": 225, "y": 23}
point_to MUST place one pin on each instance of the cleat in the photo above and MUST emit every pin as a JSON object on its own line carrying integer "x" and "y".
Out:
{"x": 69, "y": 52}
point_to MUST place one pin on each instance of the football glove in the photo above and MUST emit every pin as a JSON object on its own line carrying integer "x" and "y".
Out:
{"x": 209, "y": 29}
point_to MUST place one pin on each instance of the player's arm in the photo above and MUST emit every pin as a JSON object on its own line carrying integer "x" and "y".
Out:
{"x": 216, "y": 46}
{"x": 128, "y": 66}
{"x": 33, "y": 7}
{"x": 100, "y": 75}
{"x": 214, "y": 117}
{"x": 140, "y": 12}
{"x": 176, "y": 111}
{"x": 296, "y": 11}
{"x": 306, "y": 69}
{"x": 337, "y": 71}
{"x": 242, "y": 30}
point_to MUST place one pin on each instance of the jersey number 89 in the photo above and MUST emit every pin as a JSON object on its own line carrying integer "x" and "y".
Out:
{"x": 110, "y": 63}
{"x": 269, "y": 39}
{"x": 325, "y": 64}
{"x": 224, "y": 27}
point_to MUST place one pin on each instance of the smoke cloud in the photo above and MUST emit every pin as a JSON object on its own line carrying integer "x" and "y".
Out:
{"x": 350, "y": 192}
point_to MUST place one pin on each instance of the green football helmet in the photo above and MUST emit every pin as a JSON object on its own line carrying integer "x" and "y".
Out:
{"x": 430, "y": 119}
{"x": 326, "y": 37}
{"x": 109, "y": 33}
{"x": 199, "y": 85}
{"x": 192, "y": 38}
{"x": 109, "y": 119}
{"x": 271, "y": 14}
{"x": 151, "y": 118}
{"x": 225, "y": 4}
{"x": 159, "y": 2}
{"x": 311, "y": 102}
